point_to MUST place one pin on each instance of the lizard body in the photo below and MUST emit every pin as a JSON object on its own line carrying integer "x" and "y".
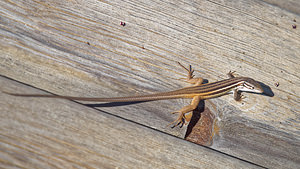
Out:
{"x": 197, "y": 92}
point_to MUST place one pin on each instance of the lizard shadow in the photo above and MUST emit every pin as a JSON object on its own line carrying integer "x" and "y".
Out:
{"x": 267, "y": 90}
{"x": 195, "y": 116}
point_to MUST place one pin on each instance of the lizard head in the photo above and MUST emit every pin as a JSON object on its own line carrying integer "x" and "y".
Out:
{"x": 250, "y": 85}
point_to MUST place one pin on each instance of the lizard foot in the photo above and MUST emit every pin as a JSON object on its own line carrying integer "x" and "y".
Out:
{"x": 181, "y": 120}
{"x": 190, "y": 71}
{"x": 231, "y": 74}
{"x": 190, "y": 77}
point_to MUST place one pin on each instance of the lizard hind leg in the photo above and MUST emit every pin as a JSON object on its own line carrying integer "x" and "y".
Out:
{"x": 182, "y": 118}
{"x": 190, "y": 77}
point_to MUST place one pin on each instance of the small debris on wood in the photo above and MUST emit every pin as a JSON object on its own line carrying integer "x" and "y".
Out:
{"x": 123, "y": 23}
{"x": 276, "y": 84}
{"x": 88, "y": 43}
{"x": 294, "y": 26}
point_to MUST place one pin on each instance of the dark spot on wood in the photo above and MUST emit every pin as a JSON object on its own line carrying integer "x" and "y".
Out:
{"x": 294, "y": 26}
{"x": 123, "y": 23}
{"x": 88, "y": 43}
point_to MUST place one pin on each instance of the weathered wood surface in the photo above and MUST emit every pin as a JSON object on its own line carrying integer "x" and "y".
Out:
{"x": 64, "y": 134}
{"x": 289, "y": 5}
{"x": 79, "y": 48}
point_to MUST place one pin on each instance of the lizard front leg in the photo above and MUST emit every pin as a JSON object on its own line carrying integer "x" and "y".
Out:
{"x": 236, "y": 94}
{"x": 182, "y": 118}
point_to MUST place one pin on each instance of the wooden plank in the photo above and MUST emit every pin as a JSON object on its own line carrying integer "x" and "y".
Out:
{"x": 39, "y": 133}
{"x": 289, "y": 5}
{"x": 80, "y": 49}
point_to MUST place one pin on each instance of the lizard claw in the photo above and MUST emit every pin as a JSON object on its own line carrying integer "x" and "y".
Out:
{"x": 181, "y": 120}
{"x": 242, "y": 97}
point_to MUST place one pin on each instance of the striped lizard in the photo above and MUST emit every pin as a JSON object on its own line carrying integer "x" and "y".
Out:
{"x": 197, "y": 92}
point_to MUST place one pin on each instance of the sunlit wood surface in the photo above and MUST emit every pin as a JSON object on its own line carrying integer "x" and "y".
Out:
{"x": 80, "y": 48}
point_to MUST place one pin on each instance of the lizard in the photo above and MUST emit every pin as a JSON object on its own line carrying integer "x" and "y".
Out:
{"x": 197, "y": 92}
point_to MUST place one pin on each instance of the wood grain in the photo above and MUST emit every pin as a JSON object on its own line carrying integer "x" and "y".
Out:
{"x": 64, "y": 134}
{"x": 79, "y": 48}
{"x": 290, "y": 5}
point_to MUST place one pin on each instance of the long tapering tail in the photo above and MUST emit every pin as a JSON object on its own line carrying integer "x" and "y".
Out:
{"x": 150, "y": 97}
